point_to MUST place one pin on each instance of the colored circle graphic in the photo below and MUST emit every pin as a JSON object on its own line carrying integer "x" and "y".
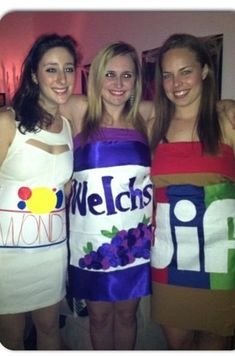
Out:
{"x": 24, "y": 193}
{"x": 43, "y": 200}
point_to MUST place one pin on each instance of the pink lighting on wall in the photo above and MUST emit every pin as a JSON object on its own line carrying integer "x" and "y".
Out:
{"x": 9, "y": 78}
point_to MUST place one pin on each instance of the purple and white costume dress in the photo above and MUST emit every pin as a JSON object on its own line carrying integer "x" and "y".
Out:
{"x": 110, "y": 217}
{"x": 33, "y": 250}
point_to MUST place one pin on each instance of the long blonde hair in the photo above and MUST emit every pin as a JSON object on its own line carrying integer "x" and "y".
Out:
{"x": 95, "y": 111}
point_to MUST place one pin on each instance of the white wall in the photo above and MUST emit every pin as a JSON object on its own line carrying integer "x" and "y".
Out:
{"x": 93, "y": 29}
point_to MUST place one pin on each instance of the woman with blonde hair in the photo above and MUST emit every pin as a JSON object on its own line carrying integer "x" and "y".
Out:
{"x": 111, "y": 203}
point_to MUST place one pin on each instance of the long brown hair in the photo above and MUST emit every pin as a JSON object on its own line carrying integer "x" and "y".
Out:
{"x": 26, "y": 98}
{"x": 208, "y": 128}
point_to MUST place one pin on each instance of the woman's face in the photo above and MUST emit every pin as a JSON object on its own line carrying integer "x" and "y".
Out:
{"x": 182, "y": 77}
{"x": 119, "y": 81}
{"x": 56, "y": 77}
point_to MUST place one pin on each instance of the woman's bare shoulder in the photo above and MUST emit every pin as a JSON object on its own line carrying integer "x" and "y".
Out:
{"x": 76, "y": 99}
{"x": 74, "y": 110}
{"x": 7, "y": 117}
{"x": 7, "y": 131}
{"x": 76, "y": 105}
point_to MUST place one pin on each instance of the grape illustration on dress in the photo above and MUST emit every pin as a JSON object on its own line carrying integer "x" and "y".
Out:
{"x": 125, "y": 247}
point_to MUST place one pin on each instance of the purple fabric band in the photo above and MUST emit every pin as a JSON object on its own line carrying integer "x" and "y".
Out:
{"x": 109, "y": 286}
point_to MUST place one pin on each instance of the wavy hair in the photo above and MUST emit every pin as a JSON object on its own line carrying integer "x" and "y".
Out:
{"x": 207, "y": 123}
{"x": 26, "y": 99}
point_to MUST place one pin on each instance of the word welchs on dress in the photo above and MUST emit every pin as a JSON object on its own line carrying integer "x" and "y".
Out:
{"x": 109, "y": 203}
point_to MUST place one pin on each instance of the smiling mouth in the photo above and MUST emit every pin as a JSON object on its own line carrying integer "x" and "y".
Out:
{"x": 181, "y": 93}
{"x": 61, "y": 91}
{"x": 117, "y": 92}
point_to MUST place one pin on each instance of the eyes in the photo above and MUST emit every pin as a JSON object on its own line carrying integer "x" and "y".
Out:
{"x": 111, "y": 75}
{"x": 183, "y": 73}
{"x": 69, "y": 69}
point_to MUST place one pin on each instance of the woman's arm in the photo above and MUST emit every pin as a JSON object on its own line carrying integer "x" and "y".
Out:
{"x": 7, "y": 132}
{"x": 74, "y": 110}
{"x": 226, "y": 110}
{"x": 228, "y": 135}
{"x": 147, "y": 111}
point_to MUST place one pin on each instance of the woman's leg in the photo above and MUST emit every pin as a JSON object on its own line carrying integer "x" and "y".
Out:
{"x": 101, "y": 324}
{"x": 12, "y": 327}
{"x": 46, "y": 321}
{"x": 209, "y": 341}
{"x": 179, "y": 339}
{"x": 125, "y": 324}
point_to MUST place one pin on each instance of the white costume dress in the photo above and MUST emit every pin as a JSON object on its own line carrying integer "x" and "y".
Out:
{"x": 33, "y": 251}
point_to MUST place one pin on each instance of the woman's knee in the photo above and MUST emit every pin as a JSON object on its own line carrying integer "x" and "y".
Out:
{"x": 179, "y": 339}
{"x": 101, "y": 319}
{"x": 100, "y": 315}
{"x": 125, "y": 315}
{"x": 46, "y": 320}
{"x": 127, "y": 309}
{"x": 12, "y": 331}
